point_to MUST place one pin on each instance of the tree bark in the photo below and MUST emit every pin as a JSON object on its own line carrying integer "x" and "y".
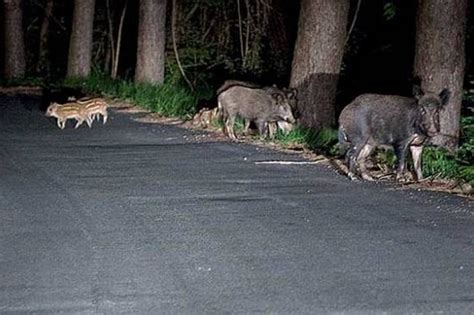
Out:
{"x": 151, "y": 42}
{"x": 80, "y": 46}
{"x": 317, "y": 59}
{"x": 14, "y": 40}
{"x": 43, "y": 58}
{"x": 440, "y": 59}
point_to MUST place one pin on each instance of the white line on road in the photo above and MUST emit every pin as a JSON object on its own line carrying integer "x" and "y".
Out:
{"x": 290, "y": 162}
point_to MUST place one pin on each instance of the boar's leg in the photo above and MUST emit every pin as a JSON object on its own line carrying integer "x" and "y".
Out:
{"x": 224, "y": 126}
{"x": 362, "y": 158}
{"x": 229, "y": 127}
{"x": 104, "y": 116}
{"x": 79, "y": 122}
{"x": 272, "y": 129}
{"x": 62, "y": 123}
{"x": 224, "y": 116}
{"x": 351, "y": 161}
{"x": 246, "y": 126}
{"x": 89, "y": 121}
{"x": 262, "y": 126}
{"x": 400, "y": 152}
{"x": 352, "y": 156}
{"x": 416, "y": 152}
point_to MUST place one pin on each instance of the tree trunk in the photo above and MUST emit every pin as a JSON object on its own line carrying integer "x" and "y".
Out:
{"x": 14, "y": 42}
{"x": 151, "y": 42}
{"x": 43, "y": 59}
{"x": 317, "y": 59}
{"x": 116, "y": 57}
{"x": 440, "y": 59}
{"x": 80, "y": 46}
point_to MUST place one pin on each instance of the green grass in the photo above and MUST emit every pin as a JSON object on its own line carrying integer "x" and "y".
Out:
{"x": 439, "y": 162}
{"x": 458, "y": 165}
{"x": 324, "y": 141}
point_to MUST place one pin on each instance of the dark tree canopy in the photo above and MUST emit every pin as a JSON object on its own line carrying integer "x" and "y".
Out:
{"x": 216, "y": 40}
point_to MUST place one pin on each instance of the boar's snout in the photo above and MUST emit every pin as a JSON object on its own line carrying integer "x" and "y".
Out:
{"x": 49, "y": 111}
{"x": 430, "y": 120}
{"x": 430, "y": 106}
{"x": 433, "y": 128}
{"x": 286, "y": 114}
{"x": 291, "y": 119}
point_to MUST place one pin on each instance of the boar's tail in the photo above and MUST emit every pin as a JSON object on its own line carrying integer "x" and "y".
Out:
{"x": 220, "y": 115}
{"x": 344, "y": 142}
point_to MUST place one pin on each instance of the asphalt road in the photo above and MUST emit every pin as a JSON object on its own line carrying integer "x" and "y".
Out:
{"x": 141, "y": 218}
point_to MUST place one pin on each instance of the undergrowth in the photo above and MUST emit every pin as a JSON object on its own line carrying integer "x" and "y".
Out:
{"x": 324, "y": 141}
{"x": 168, "y": 99}
{"x": 458, "y": 165}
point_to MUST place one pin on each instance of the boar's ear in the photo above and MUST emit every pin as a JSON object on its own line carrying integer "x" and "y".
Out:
{"x": 444, "y": 96}
{"x": 291, "y": 93}
{"x": 417, "y": 92}
{"x": 278, "y": 97}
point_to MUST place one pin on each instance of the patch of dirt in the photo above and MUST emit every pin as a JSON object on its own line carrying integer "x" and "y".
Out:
{"x": 119, "y": 105}
{"x": 131, "y": 110}
{"x": 154, "y": 118}
{"x": 444, "y": 185}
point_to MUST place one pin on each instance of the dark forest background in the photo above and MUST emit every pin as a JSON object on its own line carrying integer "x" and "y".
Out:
{"x": 378, "y": 56}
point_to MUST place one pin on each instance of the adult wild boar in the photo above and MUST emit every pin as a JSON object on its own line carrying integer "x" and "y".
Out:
{"x": 373, "y": 120}
{"x": 253, "y": 105}
{"x": 289, "y": 95}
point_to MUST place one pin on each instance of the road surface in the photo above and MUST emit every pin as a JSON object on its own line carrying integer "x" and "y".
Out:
{"x": 141, "y": 218}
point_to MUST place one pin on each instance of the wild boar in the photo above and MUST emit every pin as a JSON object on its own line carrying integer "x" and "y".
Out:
{"x": 95, "y": 108}
{"x": 288, "y": 94}
{"x": 68, "y": 111}
{"x": 373, "y": 120}
{"x": 253, "y": 105}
